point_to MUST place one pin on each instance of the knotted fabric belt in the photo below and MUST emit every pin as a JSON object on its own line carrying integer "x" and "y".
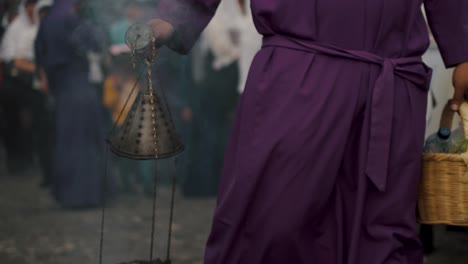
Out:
{"x": 411, "y": 69}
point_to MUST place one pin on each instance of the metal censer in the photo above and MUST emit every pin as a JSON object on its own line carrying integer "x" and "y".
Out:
{"x": 148, "y": 131}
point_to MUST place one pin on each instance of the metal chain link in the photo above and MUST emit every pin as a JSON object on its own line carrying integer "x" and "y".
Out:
{"x": 148, "y": 63}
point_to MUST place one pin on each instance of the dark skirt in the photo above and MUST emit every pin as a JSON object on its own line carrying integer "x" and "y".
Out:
{"x": 79, "y": 140}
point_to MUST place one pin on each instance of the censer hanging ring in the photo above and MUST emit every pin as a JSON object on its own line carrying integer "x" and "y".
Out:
{"x": 142, "y": 42}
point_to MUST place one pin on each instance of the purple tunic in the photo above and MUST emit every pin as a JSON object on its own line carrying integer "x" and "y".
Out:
{"x": 324, "y": 159}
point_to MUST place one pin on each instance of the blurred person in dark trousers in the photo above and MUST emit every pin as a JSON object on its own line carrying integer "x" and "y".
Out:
{"x": 7, "y": 14}
{"x": 214, "y": 98}
{"x": 42, "y": 113}
{"x": 3, "y": 9}
{"x": 62, "y": 45}
{"x": 16, "y": 53}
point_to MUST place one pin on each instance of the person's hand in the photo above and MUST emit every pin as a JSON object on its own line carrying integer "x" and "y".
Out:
{"x": 163, "y": 31}
{"x": 460, "y": 83}
{"x": 25, "y": 65}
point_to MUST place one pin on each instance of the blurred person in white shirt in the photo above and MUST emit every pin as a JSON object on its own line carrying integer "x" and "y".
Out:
{"x": 17, "y": 55}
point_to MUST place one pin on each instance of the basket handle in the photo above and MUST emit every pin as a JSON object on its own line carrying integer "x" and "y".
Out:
{"x": 463, "y": 112}
{"x": 446, "y": 119}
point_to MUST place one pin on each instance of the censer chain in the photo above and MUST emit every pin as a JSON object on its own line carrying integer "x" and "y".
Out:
{"x": 148, "y": 63}
{"x": 174, "y": 178}
{"x": 125, "y": 104}
{"x": 103, "y": 210}
{"x": 152, "y": 104}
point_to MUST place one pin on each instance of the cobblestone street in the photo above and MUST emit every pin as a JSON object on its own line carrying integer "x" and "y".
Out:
{"x": 33, "y": 229}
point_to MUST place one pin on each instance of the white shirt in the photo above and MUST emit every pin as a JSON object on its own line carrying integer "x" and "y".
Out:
{"x": 217, "y": 35}
{"x": 250, "y": 44}
{"x": 18, "y": 41}
{"x": 217, "y": 38}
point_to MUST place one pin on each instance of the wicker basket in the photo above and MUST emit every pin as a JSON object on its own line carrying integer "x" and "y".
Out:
{"x": 443, "y": 194}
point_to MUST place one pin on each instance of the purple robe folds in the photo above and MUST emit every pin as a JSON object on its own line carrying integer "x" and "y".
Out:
{"x": 324, "y": 159}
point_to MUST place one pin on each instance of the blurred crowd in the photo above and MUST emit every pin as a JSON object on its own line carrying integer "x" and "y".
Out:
{"x": 66, "y": 74}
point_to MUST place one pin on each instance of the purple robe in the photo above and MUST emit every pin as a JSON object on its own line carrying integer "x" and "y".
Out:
{"x": 324, "y": 159}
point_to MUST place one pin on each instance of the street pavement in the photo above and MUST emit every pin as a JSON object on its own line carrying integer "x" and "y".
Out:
{"x": 34, "y": 229}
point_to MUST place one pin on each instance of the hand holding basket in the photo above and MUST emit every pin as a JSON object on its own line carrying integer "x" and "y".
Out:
{"x": 443, "y": 192}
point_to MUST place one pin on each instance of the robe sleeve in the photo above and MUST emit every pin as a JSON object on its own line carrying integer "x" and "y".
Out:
{"x": 189, "y": 18}
{"x": 448, "y": 20}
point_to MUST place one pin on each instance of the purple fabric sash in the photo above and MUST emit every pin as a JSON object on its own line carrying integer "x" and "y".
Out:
{"x": 411, "y": 69}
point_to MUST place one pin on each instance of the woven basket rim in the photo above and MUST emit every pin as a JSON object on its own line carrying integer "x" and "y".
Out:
{"x": 443, "y": 157}
{"x": 442, "y": 222}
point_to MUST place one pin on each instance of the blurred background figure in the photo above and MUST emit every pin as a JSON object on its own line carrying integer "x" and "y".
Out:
{"x": 214, "y": 98}
{"x": 42, "y": 110}
{"x": 62, "y": 45}
{"x": 17, "y": 55}
{"x": 6, "y": 18}
{"x": 220, "y": 65}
